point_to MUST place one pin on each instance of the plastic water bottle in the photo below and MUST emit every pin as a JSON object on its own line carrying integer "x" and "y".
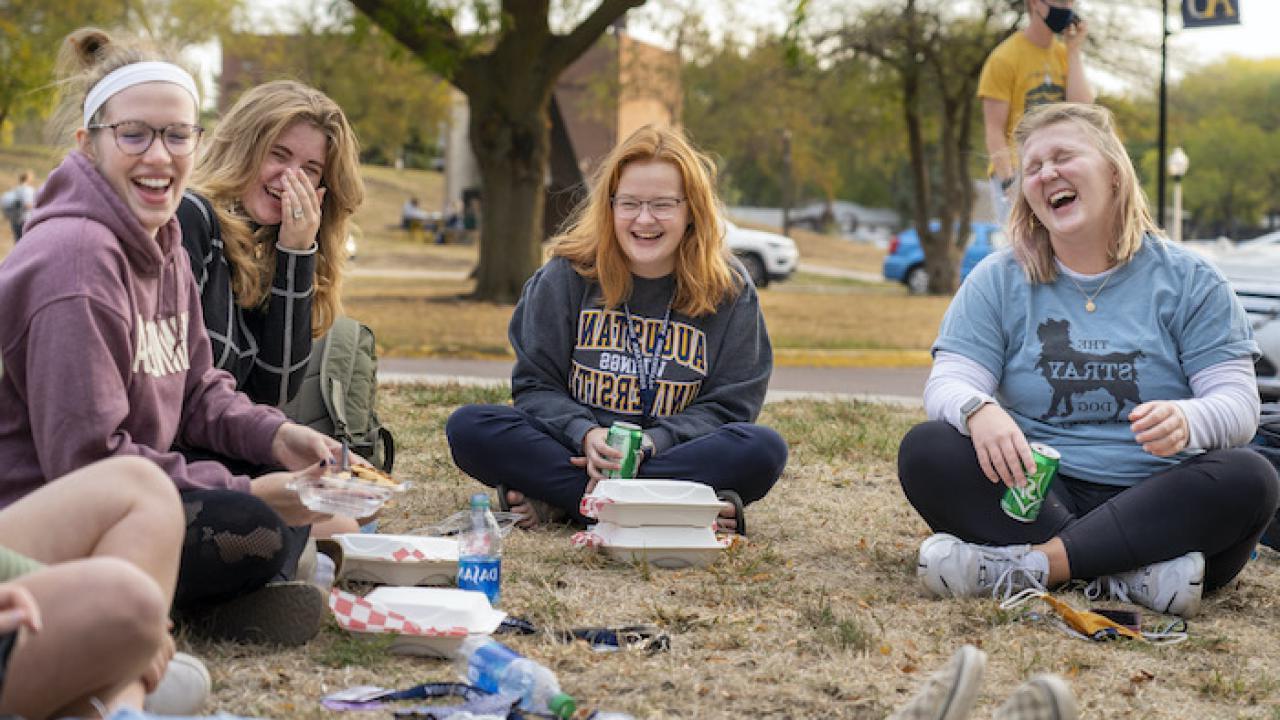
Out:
{"x": 496, "y": 668}
{"x": 480, "y": 551}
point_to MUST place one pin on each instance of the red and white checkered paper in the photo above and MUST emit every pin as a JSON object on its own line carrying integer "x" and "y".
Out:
{"x": 590, "y": 505}
{"x": 357, "y": 614}
{"x": 408, "y": 554}
{"x": 587, "y": 539}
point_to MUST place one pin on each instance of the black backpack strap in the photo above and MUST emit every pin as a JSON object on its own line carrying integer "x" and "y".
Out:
{"x": 388, "y": 449}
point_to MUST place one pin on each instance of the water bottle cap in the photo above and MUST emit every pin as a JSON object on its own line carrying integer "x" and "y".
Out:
{"x": 562, "y": 705}
{"x": 479, "y": 500}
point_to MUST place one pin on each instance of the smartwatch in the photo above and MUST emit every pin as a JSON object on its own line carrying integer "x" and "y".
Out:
{"x": 971, "y": 406}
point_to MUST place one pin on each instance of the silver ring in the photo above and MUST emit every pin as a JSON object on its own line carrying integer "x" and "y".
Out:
{"x": 297, "y": 213}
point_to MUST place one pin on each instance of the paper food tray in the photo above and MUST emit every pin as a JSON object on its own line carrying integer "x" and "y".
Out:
{"x": 398, "y": 559}
{"x": 430, "y": 622}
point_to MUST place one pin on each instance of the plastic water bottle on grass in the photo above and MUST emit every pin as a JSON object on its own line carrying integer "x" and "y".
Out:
{"x": 496, "y": 668}
{"x": 480, "y": 551}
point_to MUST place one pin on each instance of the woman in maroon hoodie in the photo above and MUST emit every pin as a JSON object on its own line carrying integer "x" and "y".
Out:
{"x": 105, "y": 353}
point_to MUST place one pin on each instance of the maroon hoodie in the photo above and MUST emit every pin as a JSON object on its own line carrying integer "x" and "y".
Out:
{"x": 104, "y": 349}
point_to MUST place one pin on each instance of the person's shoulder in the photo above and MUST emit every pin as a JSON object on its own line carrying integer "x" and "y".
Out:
{"x": 556, "y": 275}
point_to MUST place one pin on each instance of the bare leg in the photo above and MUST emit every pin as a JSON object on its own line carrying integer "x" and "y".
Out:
{"x": 333, "y": 526}
{"x": 104, "y": 622}
{"x": 1059, "y": 564}
{"x": 122, "y": 507}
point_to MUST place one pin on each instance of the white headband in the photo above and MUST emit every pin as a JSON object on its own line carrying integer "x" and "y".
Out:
{"x": 135, "y": 74}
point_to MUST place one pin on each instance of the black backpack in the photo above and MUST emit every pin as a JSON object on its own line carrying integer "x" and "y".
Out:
{"x": 339, "y": 393}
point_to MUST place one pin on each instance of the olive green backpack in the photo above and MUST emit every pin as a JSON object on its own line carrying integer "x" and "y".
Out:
{"x": 339, "y": 393}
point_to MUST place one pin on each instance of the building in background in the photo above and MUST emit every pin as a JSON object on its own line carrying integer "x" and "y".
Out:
{"x": 617, "y": 86}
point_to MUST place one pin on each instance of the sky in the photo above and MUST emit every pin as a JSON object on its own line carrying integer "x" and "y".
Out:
{"x": 1255, "y": 37}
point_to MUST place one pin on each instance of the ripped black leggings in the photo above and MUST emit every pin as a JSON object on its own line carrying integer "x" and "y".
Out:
{"x": 234, "y": 544}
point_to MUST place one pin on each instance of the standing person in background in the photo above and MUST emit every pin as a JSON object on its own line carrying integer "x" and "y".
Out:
{"x": 1128, "y": 355}
{"x": 19, "y": 202}
{"x": 264, "y": 226}
{"x": 104, "y": 353}
{"x": 642, "y": 315}
{"x": 1031, "y": 67}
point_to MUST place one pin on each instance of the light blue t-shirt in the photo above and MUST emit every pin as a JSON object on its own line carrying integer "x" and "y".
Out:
{"x": 1070, "y": 377}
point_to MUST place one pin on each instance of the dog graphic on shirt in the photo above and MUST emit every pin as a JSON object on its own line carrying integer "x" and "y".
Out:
{"x": 1071, "y": 371}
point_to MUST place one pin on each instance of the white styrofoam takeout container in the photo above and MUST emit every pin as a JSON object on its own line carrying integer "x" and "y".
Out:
{"x": 403, "y": 560}
{"x": 664, "y": 546}
{"x": 643, "y": 502}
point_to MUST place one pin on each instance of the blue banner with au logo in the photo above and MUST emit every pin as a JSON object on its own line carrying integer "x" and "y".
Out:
{"x": 1208, "y": 13}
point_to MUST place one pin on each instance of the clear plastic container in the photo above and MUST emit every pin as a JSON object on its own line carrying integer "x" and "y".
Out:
{"x": 338, "y": 495}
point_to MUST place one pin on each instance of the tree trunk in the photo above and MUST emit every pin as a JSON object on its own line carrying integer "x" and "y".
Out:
{"x": 510, "y": 132}
{"x": 512, "y": 152}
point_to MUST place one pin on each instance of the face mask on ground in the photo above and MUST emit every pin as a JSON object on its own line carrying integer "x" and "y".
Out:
{"x": 1058, "y": 19}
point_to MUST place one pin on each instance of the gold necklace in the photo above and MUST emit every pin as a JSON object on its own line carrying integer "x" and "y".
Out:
{"x": 1089, "y": 306}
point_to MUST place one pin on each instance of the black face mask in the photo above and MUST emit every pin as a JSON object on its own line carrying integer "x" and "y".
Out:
{"x": 1058, "y": 19}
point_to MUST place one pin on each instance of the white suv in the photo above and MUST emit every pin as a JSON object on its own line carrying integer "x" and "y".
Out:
{"x": 767, "y": 256}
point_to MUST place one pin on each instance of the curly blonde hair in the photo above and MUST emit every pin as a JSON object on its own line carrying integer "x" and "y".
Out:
{"x": 229, "y": 166}
{"x": 704, "y": 277}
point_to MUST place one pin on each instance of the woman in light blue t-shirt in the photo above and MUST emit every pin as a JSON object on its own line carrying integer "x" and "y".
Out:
{"x": 1129, "y": 356}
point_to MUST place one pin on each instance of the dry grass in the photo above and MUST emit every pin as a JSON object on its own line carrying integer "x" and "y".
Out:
{"x": 834, "y": 251}
{"x": 820, "y": 615}
{"x": 838, "y": 319}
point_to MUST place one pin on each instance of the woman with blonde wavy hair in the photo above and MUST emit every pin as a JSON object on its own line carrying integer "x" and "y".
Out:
{"x": 265, "y": 227}
{"x": 1098, "y": 342}
{"x": 642, "y": 316}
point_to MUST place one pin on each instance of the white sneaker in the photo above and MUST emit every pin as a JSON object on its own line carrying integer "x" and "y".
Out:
{"x": 950, "y": 692}
{"x": 1043, "y": 697}
{"x": 1173, "y": 587}
{"x": 183, "y": 689}
{"x": 951, "y": 567}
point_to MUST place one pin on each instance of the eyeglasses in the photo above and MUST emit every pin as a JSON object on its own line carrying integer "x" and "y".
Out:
{"x": 134, "y": 137}
{"x": 628, "y": 208}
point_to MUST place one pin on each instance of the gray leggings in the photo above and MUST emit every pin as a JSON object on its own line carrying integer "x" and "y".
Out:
{"x": 1218, "y": 503}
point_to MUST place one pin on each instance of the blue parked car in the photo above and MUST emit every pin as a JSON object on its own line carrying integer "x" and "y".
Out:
{"x": 905, "y": 261}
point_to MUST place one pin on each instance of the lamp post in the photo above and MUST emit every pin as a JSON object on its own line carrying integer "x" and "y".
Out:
{"x": 1177, "y": 165}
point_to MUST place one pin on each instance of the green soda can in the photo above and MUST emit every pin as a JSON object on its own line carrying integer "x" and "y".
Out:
{"x": 1023, "y": 504}
{"x": 626, "y": 437}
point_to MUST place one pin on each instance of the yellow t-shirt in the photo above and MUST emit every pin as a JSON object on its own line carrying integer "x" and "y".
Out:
{"x": 1024, "y": 75}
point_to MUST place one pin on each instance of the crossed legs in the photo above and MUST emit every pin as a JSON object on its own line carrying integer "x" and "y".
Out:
{"x": 111, "y": 532}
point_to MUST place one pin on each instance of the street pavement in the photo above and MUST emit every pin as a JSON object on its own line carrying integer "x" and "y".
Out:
{"x": 904, "y": 386}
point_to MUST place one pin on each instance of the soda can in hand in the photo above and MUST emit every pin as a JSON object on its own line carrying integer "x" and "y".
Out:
{"x": 1023, "y": 504}
{"x": 626, "y": 437}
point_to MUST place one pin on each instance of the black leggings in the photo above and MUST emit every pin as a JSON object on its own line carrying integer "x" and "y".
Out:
{"x": 1218, "y": 503}
{"x": 234, "y": 544}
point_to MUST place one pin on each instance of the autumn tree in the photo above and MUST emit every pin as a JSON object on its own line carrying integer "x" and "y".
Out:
{"x": 507, "y": 69}
{"x": 388, "y": 96}
{"x": 31, "y": 31}
{"x": 934, "y": 53}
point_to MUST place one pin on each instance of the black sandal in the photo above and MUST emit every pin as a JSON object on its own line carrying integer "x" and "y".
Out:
{"x": 733, "y": 498}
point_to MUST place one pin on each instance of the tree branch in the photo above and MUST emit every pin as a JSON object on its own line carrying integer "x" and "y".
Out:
{"x": 425, "y": 32}
{"x": 568, "y": 48}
